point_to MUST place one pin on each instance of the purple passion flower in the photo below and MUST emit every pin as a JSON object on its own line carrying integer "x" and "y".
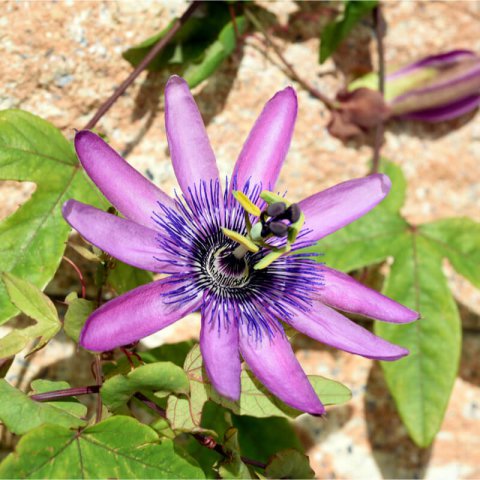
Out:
{"x": 231, "y": 253}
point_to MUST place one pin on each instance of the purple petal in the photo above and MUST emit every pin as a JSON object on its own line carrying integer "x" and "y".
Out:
{"x": 440, "y": 60}
{"x": 343, "y": 292}
{"x": 219, "y": 347}
{"x": 327, "y": 211}
{"x": 445, "y": 112}
{"x": 266, "y": 147}
{"x": 330, "y": 327}
{"x": 273, "y": 362}
{"x": 128, "y": 241}
{"x": 192, "y": 156}
{"x": 128, "y": 191}
{"x": 133, "y": 316}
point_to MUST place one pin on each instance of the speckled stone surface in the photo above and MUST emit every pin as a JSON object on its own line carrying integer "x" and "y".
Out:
{"x": 62, "y": 60}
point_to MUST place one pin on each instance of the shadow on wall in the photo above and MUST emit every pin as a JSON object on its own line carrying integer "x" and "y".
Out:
{"x": 210, "y": 100}
{"x": 394, "y": 452}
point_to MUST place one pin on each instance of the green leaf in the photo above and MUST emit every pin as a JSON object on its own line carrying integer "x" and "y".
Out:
{"x": 367, "y": 241}
{"x": 169, "y": 352}
{"x": 186, "y": 414}
{"x": 20, "y": 414}
{"x": 161, "y": 378}
{"x": 119, "y": 447}
{"x": 289, "y": 464}
{"x": 458, "y": 239}
{"x": 232, "y": 466}
{"x": 33, "y": 303}
{"x": 32, "y": 240}
{"x": 260, "y": 438}
{"x": 215, "y": 54}
{"x": 421, "y": 383}
{"x": 335, "y": 32}
{"x": 124, "y": 278}
{"x": 203, "y": 42}
{"x": 78, "y": 311}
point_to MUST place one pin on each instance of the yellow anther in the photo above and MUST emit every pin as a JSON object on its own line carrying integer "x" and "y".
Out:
{"x": 244, "y": 241}
{"x": 271, "y": 197}
{"x": 271, "y": 257}
{"x": 246, "y": 203}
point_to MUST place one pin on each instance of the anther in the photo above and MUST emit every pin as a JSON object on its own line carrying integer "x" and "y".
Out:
{"x": 279, "y": 229}
{"x": 275, "y": 209}
{"x": 293, "y": 212}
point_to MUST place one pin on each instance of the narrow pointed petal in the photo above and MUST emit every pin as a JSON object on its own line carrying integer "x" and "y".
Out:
{"x": 343, "y": 292}
{"x": 129, "y": 192}
{"x": 219, "y": 347}
{"x": 328, "y": 326}
{"x": 328, "y": 211}
{"x": 133, "y": 316}
{"x": 128, "y": 241}
{"x": 273, "y": 362}
{"x": 192, "y": 156}
{"x": 267, "y": 145}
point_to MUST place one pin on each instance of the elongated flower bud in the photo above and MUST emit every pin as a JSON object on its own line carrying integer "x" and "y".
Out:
{"x": 433, "y": 89}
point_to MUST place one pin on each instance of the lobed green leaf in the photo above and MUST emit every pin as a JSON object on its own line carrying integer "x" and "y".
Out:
{"x": 33, "y": 303}
{"x": 200, "y": 46}
{"x": 161, "y": 378}
{"x": 421, "y": 383}
{"x": 185, "y": 414}
{"x": 32, "y": 240}
{"x": 118, "y": 447}
{"x": 20, "y": 414}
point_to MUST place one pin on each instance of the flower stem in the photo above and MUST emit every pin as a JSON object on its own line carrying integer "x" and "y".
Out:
{"x": 329, "y": 103}
{"x": 142, "y": 65}
{"x": 379, "y": 22}
{"x": 65, "y": 393}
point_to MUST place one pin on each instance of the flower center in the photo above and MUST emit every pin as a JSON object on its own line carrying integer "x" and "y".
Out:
{"x": 226, "y": 270}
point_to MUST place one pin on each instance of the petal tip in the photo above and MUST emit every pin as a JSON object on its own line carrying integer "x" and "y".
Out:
{"x": 385, "y": 183}
{"x": 232, "y": 394}
{"x": 83, "y": 136}
{"x": 317, "y": 410}
{"x": 288, "y": 95}
{"x": 67, "y": 208}
{"x": 176, "y": 81}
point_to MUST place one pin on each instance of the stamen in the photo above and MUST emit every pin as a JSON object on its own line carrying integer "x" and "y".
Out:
{"x": 279, "y": 229}
{"x": 276, "y": 209}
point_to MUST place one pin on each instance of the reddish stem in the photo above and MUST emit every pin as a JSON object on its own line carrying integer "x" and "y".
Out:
{"x": 79, "y": 273}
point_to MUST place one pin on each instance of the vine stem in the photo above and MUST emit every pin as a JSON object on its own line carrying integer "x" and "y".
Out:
{"x": 328, "y": 102}
{"x": 204, "y": 440}
{"x": 142, "y": 65}
{"x": 379, "y": 131}
{"x": 65, "y": 393}
{"x": 79, "y": 273}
